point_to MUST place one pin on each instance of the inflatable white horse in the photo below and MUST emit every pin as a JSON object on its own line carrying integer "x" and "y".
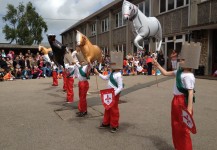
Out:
{"x": 145, "y": 27}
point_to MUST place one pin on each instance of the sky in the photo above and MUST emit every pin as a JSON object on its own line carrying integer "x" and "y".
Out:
{"x": 58, "y": 14}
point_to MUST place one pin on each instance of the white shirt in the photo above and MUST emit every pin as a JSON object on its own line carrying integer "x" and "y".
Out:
{"x": 70, "y": 69}
{"x": 118, "y": 78}
{"x": 77, "y": 73}
{"x": 139, "y": 68}
{"x": 136, "y": 63}
{"x": 188, "y": 81}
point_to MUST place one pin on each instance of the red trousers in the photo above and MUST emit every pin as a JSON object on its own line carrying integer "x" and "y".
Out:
{"x": 180, "y": 133}
{"x": 64, "y": 81}
{"x": 55, "y": 80}
{"x": 111, "y": 116}
{"x": 83, "y": 88}
{"x": 70, "y": 92}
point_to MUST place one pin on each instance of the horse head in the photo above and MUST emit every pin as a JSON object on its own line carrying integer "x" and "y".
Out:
{"x": 128, "y": 10}
{"x": 57, "y": 48}
{"x": 80, "y": 39}
{"x": 44, "y": 50}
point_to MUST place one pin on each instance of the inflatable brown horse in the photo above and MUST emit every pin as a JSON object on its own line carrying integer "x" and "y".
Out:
{"x": 47, "y": 52}
{"x": 44, "y": 50}
{"x": 90, "y": 52}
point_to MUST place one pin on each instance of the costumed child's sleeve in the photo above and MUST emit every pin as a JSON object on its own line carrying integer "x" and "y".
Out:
{"x": 120, "y": 85}
{"x": 189, "y": 82}
{"x": 104, "y": 77}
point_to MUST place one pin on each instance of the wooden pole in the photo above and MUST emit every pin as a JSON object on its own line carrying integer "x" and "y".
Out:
{"x": 97, "y": 83}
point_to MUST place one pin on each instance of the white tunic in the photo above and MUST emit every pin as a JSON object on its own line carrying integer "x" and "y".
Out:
{"x": 118, "y": 78}
{"x": 77, "y": 73}
{"x": 70, "y": 69}
{"x": 188, "y": 81}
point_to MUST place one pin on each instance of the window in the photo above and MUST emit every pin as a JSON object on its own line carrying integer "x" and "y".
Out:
{"x": 179, "y": 3}
{"x": 170, "y": 4}
{"x": 121, "y": 47}
{"x": 147, "y": 10}
{"x": 105, "y": 25}
{"x": 93, "y": 29}
{"x": 141, "y": 7}
{"x": 119, "y": 21}
{"x": 162, "y": 6}
{"x": 105, "y": 50}
{"x": 144, "y": 7}
{"x": 83, "y": 30}
{"x": 166, "y": 5}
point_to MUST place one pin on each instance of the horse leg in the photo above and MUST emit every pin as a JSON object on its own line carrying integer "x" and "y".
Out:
{"x": 100, "y": 62}
{"x": 159, "y": 45}
{"x": 136, "y": 42}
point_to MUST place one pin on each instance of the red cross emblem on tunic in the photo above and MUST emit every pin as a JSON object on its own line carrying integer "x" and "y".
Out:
{"x": 107, "y": 97}
{"x": 188, "y": 120}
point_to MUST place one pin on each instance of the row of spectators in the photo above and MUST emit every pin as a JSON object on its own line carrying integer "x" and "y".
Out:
{"x": 137, "y": 64}
{"x": 32, "y": 66}
{"x": 23, "y": 66}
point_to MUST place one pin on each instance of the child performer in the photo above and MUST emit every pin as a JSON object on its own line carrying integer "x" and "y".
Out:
{"x": 82, "y": 73}
{"x": 69, "y": 76}
{"x": 111, "y": 116}
{"x": 183, "y": 93}
{"x": 54, "y": 74}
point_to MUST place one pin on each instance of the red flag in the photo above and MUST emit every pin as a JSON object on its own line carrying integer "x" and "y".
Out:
{"x": 188, "y": 120}
{"x": 108, "y": 98}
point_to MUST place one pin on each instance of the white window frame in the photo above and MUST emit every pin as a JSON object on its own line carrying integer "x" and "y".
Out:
{"x": 93, "y": 29}
{"x": 121, "y": 21}
{"x": 105, "y": 50}
{"x": 83, "y": 30}
{"x": 120, "y": 47}
{"x": 144, "y": 4}
{"x": 175, "y": 6}
{"x": 105, "y": 25}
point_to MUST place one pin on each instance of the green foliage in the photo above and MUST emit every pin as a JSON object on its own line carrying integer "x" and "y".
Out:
{"x": 23, "y": 25}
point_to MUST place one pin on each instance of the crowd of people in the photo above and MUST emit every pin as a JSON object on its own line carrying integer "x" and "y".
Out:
{"x": 23, "y": 66}
{"x": 33, "y": 66}
{"x": 135, "y": 64}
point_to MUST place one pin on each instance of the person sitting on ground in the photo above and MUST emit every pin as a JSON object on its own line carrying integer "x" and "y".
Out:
{"x": 26, "y": 74}
{"x": 140, "y": 69}
{"x": 8, "y": 76}
{"x": 36, "y": 72}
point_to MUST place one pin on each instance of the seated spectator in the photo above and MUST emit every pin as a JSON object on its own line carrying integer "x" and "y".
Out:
{"x": 11, "y": 55}
{"x": 21, "y": 55}
{"x": 140, "y": 69}
{"x": 36, "y": 72}
{"x": 8, "y": 76}
{"x": 16, "y": 65}
{"x": 46, "y": 69}
{"x": 26, "y": 74}
{"x": 105, "y": 71}
{"x": 2, "y": 74}
{"x": 3, "y": 53}
{"x": 3, "y": 63}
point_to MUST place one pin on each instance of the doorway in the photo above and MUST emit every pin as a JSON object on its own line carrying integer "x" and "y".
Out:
{"x": 214, "y": 52}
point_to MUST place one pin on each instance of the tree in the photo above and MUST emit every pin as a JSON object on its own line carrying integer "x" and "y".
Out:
{"x": 23, "y": 25}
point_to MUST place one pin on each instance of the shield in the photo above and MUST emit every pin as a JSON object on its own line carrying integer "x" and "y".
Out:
{"x": 108, "y": 98}
{"x": 188, "y": 120}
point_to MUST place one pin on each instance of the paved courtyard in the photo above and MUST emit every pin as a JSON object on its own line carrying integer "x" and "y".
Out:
{"x": 34, "y": 116}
